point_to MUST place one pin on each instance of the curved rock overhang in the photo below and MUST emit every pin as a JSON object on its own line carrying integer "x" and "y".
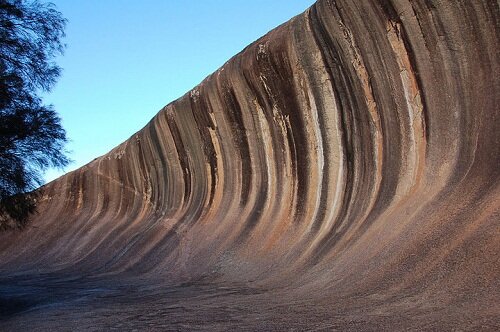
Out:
{"x": 346, "y": 162}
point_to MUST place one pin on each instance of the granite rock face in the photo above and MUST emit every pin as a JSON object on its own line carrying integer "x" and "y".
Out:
{"x": 341, "y": 172}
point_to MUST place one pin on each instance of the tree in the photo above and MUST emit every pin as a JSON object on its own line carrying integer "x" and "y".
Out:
{"x": 31, "y": 136}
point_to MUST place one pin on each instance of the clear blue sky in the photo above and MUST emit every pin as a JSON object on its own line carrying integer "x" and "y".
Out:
{"x": 126, "y": 59}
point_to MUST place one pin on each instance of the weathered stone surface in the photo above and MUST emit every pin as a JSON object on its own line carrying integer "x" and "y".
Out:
{"x": 342, "y": 172}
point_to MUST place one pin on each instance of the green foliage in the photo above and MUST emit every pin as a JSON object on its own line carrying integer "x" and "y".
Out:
{"x": 31, "y": 136}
